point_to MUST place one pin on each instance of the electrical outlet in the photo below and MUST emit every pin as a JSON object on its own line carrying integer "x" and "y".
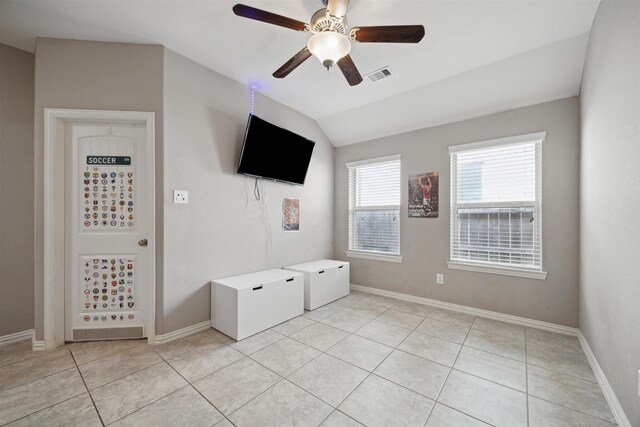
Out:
{"x": 180, "y": 196}
{"x": 440, "y": 279}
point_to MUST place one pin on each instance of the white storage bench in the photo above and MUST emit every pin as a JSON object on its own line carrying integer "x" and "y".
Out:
{"x": 245, "y": 305}
{"x": 325, "y": 280}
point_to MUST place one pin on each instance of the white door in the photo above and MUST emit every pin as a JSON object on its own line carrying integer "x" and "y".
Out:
{"x": 109, "y": 225}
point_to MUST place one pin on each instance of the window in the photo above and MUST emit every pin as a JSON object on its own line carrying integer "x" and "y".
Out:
{"x": 374, "y": 209}
{"x": 495, "y": 206}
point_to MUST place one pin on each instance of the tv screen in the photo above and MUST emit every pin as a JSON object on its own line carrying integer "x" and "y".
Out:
{"x": 274, "y": 153}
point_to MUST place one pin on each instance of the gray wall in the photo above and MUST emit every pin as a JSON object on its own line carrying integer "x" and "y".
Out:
{"x": 610, "y": 199}
{"x": 425, "y": 241}
{"x": 200, "y": 120}
{"x": 223, "y": 230}
{"x": 92, "y": 75}
{"x": 16, "y": 190}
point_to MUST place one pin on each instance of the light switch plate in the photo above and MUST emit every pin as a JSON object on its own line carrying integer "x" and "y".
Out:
{"x": 180, "y": 196}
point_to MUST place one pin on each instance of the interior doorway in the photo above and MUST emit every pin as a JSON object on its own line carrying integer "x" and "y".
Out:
{"x": 99, "y": 260}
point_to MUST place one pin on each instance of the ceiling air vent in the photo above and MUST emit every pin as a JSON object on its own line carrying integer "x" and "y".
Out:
{"x": 378, "y": 75}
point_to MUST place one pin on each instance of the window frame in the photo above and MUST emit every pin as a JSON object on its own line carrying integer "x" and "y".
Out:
{"x": 352, "y": 210}
{"x": 489, "y": 267}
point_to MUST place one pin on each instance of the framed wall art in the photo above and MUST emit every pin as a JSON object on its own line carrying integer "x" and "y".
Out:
{"x": 423, "y": 195}
{"x": 290, "y": 214}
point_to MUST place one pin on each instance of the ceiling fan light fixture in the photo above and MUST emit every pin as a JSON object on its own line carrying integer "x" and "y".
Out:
{"x": 329, "y": 47}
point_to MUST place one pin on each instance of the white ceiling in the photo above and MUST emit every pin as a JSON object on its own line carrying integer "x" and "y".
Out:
{"x": 477, "y": 57}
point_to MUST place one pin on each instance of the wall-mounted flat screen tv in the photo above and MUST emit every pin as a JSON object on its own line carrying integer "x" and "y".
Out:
{"x": 272, "y": 152}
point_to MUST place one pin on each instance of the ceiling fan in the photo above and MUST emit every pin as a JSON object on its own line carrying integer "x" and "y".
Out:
{"x": 330, "y": 41}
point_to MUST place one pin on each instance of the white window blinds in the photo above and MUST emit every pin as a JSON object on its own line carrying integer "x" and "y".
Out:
{"x": 495, "y": 203}
{"x": 374, "y": 206}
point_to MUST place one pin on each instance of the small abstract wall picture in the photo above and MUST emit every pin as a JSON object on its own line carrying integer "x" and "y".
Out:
{"x": 423, "y": 195}
{"x": 290, "y": 214}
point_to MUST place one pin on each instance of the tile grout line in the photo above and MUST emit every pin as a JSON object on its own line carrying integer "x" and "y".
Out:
{"x": 381, "y": 362}
{"x": 258, "y": 395}
{"x": 335, "y": 408}
{"x": 396, "y": 348}
{"x": 313, "y": 322}
{"x": 237, "y": 361}
{"x": 440, "y": 338}
{"x": 613, "y": 423}
{"x": 255, "y": 351}
{"x": 392, "y": 348}
{"x": 39, "y": 378}
{"x": 151, "y": 403}
{"x": 321, "y": 352}
{"x": 369, "y": 373}
{"x": 468, "y": 415}
{"x": 450, "y": 370}
{"x": 107, "y": 355}
{"x": 491, "y": 333}
{"x": 248, "y": 356}
{"x": 550, "y": 401}
{"x": 526, "y": 363}
{"x": 42, "y": 353}
{"x": 516, "y": 360}
{"x": 50, "y": 406}
{"x": 222, "y": 344}
{"x": 189, "y": 384}
{"x": 282, "y": 378}
{"x": 87, "y": 388}
{"x": 120, "y": 378}
{"x": 493, "y": 353}
{"x": 338, "y": 410}
{"x": 487, "y": 380}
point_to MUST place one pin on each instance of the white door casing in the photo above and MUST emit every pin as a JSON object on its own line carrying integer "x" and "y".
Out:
{"x": 70, "y": 244}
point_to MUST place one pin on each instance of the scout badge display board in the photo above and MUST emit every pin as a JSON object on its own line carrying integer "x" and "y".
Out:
{"x": 107, "y": 267}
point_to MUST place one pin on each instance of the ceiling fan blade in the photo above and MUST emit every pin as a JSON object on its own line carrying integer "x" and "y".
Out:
{"x": 350, "y": 71}
{"x": 268, "y": 17}
{"x": 389, "y": 34}
{"x": 292, "y": 64}
{"x": 337, "y": 8}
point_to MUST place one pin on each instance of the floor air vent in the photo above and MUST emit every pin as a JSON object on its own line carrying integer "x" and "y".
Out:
{"x": 108, "y": 333}
{"x": 378, "y": 75}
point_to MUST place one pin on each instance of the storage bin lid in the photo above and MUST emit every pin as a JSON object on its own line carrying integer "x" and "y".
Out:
{"x": 255, "y": 279}
{"x": 321, "y": 264}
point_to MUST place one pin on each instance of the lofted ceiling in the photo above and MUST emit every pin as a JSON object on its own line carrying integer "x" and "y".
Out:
{"x": 478, "y": 56}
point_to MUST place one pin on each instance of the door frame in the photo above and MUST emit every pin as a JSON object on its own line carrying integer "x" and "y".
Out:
{"x": 54, "y": 213}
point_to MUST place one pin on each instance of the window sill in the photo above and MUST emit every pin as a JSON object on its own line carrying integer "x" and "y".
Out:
{"x": 455, "y": 265}
{"x": 374, "y": 256}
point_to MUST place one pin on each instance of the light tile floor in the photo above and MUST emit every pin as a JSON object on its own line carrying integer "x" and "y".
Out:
{"x": 362, "y": 360}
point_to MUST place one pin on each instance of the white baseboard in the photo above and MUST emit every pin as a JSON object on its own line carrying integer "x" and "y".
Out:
{"x": 38, "y": 345}
{"x": 181, "y": 333}
{"x": 523, "y": 321}
{"x": 614, "y": 404}
{"x": 17, "y": 337}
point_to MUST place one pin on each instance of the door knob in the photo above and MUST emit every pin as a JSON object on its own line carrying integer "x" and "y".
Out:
{"x": 143, "y": 242}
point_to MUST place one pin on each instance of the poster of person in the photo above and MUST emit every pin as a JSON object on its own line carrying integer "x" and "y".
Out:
{"x": 290, "y": 214}
{"x": 423, "y": 195}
